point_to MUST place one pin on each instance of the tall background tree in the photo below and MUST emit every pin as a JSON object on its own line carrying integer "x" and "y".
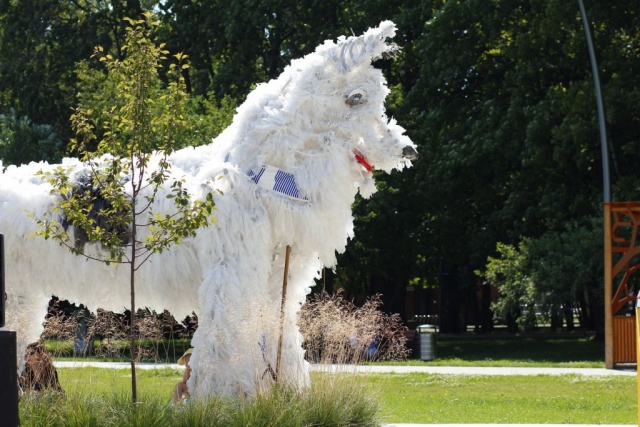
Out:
{"x": 40, "y": 42}
{"x": 504, "y": 107}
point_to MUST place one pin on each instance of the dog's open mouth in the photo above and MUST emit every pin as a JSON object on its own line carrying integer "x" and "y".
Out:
{"x": 363, "y": 161}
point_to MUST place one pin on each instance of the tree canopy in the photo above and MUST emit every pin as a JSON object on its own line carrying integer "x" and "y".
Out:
{"x": 498, "y": 96}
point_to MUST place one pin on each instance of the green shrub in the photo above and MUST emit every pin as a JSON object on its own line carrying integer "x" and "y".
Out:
{"x": 22, "y": 141}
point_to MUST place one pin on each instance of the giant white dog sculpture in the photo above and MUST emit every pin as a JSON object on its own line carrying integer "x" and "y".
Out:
{"x": 289, "y": 167}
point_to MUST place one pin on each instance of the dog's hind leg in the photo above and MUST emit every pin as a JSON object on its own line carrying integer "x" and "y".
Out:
{"x": 227, "y": 357}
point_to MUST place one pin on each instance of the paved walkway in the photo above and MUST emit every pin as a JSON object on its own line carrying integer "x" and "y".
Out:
{"x": 447, "y": 370}
{"x": 470, "y": 370}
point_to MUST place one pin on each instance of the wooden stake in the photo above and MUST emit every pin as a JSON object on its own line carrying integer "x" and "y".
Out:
{"x": 284, "y": 298}
{"x": 638, "y": 352}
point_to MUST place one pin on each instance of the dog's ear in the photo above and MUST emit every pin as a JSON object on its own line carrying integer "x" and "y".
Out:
{"x": 376, "y": 39}
{"x": 350, "y": 52}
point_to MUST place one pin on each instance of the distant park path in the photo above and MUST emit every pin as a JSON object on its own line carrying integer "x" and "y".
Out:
{"x": 448, "y": 370}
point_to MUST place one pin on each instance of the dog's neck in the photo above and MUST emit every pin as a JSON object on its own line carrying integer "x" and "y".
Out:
{"x": 284, "y": 182}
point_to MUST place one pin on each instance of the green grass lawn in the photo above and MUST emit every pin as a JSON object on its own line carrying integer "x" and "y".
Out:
{"x": 101, "y": 381}
{"x": 149, "y": 350}
{"x": 451, "y": 351}
{"x": 541, "y": 399}
{"x": 517, "y": 351}
{"x": 430, "y": 398}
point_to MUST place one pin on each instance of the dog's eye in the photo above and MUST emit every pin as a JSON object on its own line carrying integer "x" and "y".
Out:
{"x": 356, "y": 97}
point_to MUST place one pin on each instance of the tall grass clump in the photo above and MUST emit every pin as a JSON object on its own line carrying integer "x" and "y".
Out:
{"x": 341, "y": 400}
{"x": 337, "y": 331}
{"x": 330, "y": 401}
{"x": 213, "y": 412}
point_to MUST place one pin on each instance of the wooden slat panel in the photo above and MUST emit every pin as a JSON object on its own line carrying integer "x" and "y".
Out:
{"x": 624, "y": 339}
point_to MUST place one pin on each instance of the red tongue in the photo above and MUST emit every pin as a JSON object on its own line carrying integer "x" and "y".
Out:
{"x": 360, "y": 158}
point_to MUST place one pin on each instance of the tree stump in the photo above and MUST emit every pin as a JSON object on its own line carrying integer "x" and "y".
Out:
{"x": 39, "y": 373}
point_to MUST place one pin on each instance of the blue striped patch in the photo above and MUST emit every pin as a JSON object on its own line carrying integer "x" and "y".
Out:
{"x": 286, "y": 183}
{"x": 277, "y": 180}
{"x": 256, "y": 177}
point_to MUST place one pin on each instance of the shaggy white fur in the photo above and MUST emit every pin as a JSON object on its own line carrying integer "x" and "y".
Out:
{"x": 289, "y": 168}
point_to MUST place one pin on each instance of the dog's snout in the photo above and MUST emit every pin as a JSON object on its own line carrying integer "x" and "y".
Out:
{"x": 410, "y": 153}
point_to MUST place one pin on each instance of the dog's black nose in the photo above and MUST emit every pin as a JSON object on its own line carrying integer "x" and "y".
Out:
{"x": 410, "y": 153}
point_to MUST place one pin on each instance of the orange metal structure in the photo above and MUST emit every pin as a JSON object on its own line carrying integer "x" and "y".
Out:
{"x": 622, "y": 260}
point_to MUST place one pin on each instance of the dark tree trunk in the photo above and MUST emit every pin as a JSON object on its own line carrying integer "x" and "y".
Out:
{"x": 567, "y": 309}
{"x": 449, "y": 303}
{"x": 486, "y": 315}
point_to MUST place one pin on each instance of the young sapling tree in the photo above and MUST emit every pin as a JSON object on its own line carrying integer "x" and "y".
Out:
{"x": 125, "y": 149}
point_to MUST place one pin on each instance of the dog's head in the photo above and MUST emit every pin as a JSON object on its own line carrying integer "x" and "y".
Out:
{"x": 359, "y": 92}
{"x": 331, "y": 100}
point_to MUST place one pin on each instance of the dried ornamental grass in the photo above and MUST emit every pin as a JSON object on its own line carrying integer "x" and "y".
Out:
{"x": 153, "y": 333}
{"x": 337, "y": 331}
